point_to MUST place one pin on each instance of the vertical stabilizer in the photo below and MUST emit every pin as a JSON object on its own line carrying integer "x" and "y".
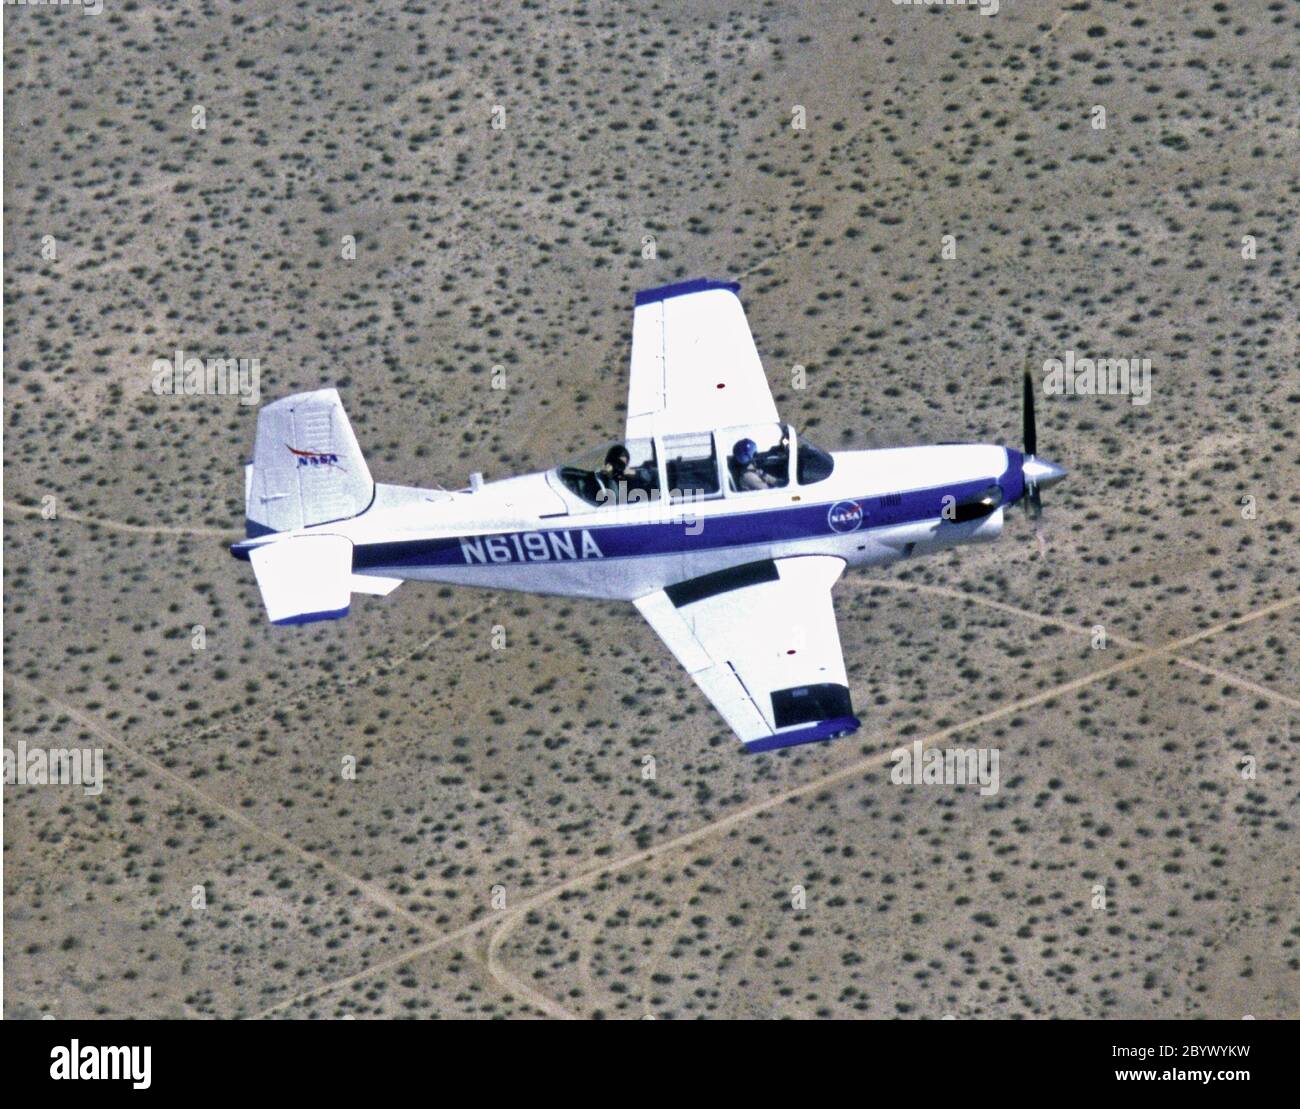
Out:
{"x": 307, "y": 467}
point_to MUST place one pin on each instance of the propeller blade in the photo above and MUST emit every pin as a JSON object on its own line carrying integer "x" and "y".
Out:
{"x": 1031, "y": 428}
{"x": 1036, "y": 473}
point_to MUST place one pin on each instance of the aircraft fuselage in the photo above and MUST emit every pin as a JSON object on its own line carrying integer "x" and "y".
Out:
{"x": 530, "y": 534}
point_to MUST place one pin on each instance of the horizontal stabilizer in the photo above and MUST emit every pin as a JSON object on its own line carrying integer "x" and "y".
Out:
{"x": 306, "y": 578}
{"x": 378, "y": 587}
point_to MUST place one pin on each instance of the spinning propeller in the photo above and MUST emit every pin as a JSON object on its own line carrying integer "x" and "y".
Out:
{"x": 1038, "y": 472}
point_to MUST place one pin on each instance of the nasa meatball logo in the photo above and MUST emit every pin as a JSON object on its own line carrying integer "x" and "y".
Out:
{"x": 845, "y": 516}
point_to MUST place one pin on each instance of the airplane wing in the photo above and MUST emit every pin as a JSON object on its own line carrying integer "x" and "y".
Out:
{"x": 760, "y": 641}
{"x": 694, "y": 363}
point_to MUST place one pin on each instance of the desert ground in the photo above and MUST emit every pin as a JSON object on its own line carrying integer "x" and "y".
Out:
{"x": 186, "y": 176}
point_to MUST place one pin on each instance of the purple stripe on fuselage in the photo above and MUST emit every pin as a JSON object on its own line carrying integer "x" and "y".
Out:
{"x": 587, "y": 538}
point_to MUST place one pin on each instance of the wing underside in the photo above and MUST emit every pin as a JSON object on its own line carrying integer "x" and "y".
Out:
{"x": 760, "y": 641}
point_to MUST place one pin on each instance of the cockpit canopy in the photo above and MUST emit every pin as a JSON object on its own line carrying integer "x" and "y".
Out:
{"x": 621, "y": 473}
{"x": 731, "y": 462}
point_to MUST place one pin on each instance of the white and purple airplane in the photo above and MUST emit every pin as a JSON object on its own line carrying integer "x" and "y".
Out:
{"x": 711, "y": 515}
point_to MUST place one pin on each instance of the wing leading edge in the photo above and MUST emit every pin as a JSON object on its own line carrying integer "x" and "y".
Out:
{"x": 760, "y": 640}
{"x": 694, "y": 363}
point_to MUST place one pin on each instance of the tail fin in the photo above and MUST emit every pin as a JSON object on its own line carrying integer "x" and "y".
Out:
{"x": 307, "y": 467}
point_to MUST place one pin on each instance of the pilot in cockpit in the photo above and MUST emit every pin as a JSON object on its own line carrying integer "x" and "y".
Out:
{"x": 615, "y": 468}
{"x": 622, "y": 483}
{"x": 745, "y": 467}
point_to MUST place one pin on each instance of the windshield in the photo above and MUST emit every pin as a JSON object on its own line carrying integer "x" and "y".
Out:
{"x": 814, "y": 464}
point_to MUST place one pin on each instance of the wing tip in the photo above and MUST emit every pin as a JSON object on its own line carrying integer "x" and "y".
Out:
{"x": 311, "y": 617}
{"x": 684, "y": 288}
{"x": 814, "y": 733}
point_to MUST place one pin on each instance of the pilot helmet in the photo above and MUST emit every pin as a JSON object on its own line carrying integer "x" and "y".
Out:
{"x": 744, "y": 451}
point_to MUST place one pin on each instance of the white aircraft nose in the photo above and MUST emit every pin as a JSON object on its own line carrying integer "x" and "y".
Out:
{"x": 1042, "y": 473}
